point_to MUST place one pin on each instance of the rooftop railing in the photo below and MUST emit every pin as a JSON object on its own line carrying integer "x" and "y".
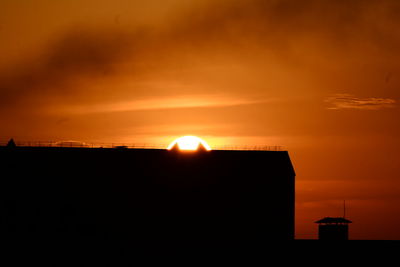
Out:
{"x": 78, "y": 144}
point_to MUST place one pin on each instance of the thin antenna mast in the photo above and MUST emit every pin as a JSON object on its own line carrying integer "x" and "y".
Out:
{"x": 344, "y": 208}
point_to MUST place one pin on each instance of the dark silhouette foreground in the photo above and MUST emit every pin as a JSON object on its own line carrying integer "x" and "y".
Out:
{"x": 147, "y": 194}
{"x": 95, "y": 203}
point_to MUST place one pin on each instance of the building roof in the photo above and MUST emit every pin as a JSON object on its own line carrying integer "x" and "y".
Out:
{"x": 333, "y": 220}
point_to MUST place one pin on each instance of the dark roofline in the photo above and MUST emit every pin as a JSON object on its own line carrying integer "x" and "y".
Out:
{"x": 334, "y": 220}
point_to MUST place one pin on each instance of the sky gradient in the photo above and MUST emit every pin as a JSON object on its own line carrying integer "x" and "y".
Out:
{"x": 320, "y": 78}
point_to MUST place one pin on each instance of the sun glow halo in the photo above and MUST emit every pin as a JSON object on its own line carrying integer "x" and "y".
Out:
{"x": 189, "y": 143}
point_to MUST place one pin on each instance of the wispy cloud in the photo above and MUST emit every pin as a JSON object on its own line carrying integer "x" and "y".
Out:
{"x": 176, "y": 102}
{"x": 348, "y": 101}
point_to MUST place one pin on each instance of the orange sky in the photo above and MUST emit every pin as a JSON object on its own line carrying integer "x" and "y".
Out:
{"x": 320, "y": 78}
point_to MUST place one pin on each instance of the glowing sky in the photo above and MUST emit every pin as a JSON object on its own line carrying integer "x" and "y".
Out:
{"x": 320, "y": 78}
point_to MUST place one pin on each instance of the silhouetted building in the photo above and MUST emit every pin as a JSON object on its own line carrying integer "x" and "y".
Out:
{"x": 333, "y": 228}
{"x": 146, "y": 194}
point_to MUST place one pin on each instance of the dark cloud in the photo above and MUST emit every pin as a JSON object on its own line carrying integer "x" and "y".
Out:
{"x": 77, "y": 54}
{"x": 280, "y": 32}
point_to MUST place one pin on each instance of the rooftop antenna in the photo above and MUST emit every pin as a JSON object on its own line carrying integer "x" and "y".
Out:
{"x": 344, "y": 208}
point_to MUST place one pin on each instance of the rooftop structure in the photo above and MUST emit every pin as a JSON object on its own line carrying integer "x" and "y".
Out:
{"x": 80, "y": 144}
{"x": 333, "y": 220}
{"x": 333, "y": 228}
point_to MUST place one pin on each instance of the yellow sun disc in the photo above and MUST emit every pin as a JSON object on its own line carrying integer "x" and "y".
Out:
{"x": 190, "y": 143}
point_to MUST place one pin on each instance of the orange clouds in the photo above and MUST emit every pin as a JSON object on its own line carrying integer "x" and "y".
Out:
{"x": 176, "y": 102}
{"x": 347, "y": 101}
{"x": 245, "y": 72}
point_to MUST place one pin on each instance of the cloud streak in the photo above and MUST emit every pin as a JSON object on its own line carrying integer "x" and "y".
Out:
{"x": 348, "y": 101}
{"x": 177, "y": 102}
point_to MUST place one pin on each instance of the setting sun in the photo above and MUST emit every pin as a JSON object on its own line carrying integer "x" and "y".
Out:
{"x": 190, "y": 143}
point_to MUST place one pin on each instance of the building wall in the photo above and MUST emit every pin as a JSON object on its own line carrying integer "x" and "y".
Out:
{"x": 333, "y": 232}
{"x": 148, "y": 194}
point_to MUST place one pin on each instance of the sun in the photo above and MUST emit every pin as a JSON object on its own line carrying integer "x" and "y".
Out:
{"x": 189, "y": 143}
